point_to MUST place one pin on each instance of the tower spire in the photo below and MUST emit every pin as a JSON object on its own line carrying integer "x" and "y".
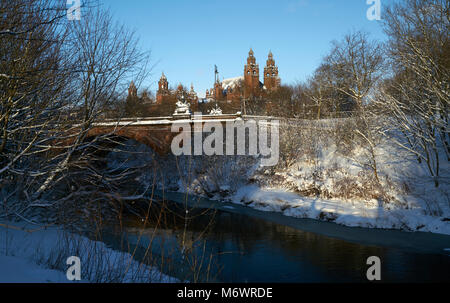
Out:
{"x": 163, "y": 88}
{"x": 132, "y": 90}
{"x": 251, "y": 76}
{"x": 271, "y": 80}
{"x": 216, "y": 74}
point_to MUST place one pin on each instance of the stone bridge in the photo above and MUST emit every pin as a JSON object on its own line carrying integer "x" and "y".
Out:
{"x": 156, "y": 132}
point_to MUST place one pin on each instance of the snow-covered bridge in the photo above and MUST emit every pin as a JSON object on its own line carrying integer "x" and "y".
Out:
{"x": 156, "y": 132}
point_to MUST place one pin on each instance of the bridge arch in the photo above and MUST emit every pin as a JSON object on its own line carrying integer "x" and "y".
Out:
{"x": 158, "y": 139}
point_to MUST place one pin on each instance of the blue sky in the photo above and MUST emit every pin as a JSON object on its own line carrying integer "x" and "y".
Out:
{"x": 187, "y": 37}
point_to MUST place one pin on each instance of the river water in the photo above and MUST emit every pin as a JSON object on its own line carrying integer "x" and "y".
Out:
{"x": 222, "y": 242}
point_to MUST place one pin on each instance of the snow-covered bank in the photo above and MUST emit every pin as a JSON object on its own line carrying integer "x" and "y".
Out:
{"x": 341, "y": 212}
{"x": 21, "y": 270}
{"x": 318, "y": 177}
{"x": 337, "y": 185}
{"x": 38, "y": 255}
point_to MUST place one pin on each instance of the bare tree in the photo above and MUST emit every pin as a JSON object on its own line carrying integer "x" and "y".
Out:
{"x": 34, "y": 78}
{"x": 281, "y": 102}
{"x": 57, "y": 77}
{"x": 324, "y": 97}
{"x": 354, "y": 67}
{"x": 417, "y": 97}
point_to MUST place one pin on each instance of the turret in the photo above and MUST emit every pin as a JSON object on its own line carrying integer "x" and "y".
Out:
{"x": 271, "y": 80}
{"x": 251, "y": 76}
{"x": 163, "y": 89}
{"x": 132, "y": 90}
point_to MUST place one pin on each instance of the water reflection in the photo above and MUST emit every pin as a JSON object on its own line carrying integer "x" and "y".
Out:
{"x": 229, "y": 247}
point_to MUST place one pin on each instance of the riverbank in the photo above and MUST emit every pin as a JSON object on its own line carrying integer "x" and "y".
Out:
{"x": 348, "y": 213}
{"x": 32, "y": 253}
{"x": 38, "y": 254}
{"x": 336, "y": 190}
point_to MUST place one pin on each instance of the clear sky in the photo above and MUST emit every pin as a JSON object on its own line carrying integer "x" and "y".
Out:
{"x": 187, "y": 37}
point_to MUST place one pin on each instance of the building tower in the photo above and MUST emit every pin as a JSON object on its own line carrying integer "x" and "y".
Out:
{"x": 180, "y": 91}
{"x": 271, "y": 80}
{"x": 132, "y": 90}
{"x": 218, "y": 92}
{"x": 163, "y": 89}
{"x": 193, "y": 95}
{"x": 251, "y": 76}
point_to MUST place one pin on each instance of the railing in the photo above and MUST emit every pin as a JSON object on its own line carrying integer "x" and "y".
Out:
{"x": 331, "y": 116}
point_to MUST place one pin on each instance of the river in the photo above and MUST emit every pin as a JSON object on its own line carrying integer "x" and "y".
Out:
{"x": 224, "y": 242}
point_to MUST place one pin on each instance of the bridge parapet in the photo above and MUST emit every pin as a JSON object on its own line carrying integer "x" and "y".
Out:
{"x": 164, "y": 120}
{"x": 155, "y": 132}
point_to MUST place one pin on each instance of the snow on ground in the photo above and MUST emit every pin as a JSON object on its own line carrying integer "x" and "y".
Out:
{"x": 21, "y": 270}
{"x": 316, "y": 188}
{"x": 27, "y": 252}
{"x": 369, "y": 214}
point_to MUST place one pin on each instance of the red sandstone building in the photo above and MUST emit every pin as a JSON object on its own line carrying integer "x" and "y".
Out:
{"x": 231, "y": 91}
{"x": 163, "y": 92}
{"x": 248, "y": 85}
